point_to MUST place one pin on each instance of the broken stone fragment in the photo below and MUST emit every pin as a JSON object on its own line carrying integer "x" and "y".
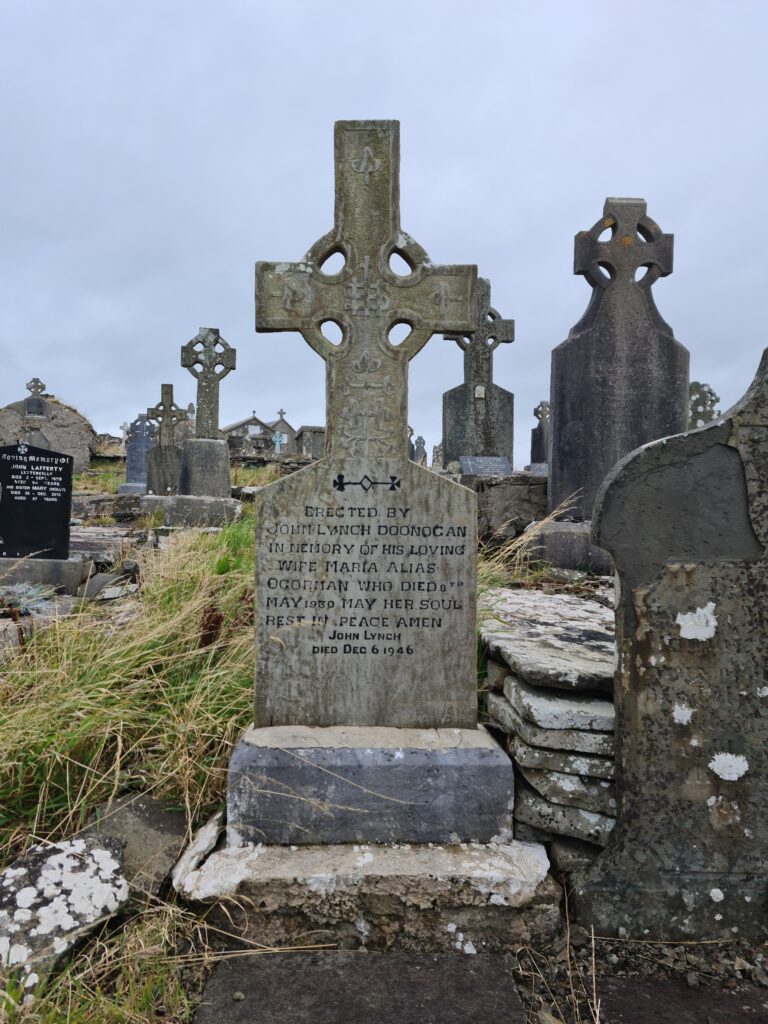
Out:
{"x": 505, "y": 717}
{"x": 51, "y": 898}
{"x": 573, "y": 791}
{"x": 587, "y": 765}
{"x": 550, "y": 710}
{"x": 532, "y": 809}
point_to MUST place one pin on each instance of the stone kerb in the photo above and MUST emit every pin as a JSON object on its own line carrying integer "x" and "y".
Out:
{"x": 686, "y": 520}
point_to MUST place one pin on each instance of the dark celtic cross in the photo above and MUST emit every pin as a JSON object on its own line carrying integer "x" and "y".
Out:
{"x": 209, "y": 359}
{"x": 166, "y": 414}
{"x": 36, "y": 386}
{"x": 35, "y": 405}
{"x": 366, "y": 374}
{"x": 478, "y": 347}
{"x": 636, "y": 241}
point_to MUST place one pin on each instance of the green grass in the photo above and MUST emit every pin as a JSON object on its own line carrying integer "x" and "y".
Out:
{"x": 255, "y": 476}
{"x": 103, "y": 476}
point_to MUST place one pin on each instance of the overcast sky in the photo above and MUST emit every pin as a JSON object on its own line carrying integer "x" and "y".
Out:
{"x": 153, "y": 150}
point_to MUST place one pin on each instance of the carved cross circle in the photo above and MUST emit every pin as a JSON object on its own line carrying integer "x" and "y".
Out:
{"x": 635, "y": 241}
{"x": 36, "y": 386}
{"x": 208, "y": 355}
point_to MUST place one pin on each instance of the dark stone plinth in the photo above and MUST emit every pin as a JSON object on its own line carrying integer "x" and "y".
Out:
{"x": 163, "y": 470}
{"x": 570, "y": 546}
{"x": 686, "y": 520}
{"x": 191, "y": 510}
{"x": 205, "y": 468}
{"x": 383, "y": 988}
{"x": 65, "y": 574}
{"x": 308, "y": 785}
{"x": 620, "y": 380}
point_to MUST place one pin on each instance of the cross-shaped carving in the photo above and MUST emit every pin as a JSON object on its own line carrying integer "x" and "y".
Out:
{"x": 490, "y": 331}
{"x": 367, "y": 375}
{"x": 636, "y": 241}
{"x": 166, "y": 414}
{"x": 209, "y": 359}
{"x": 140, "y": 429}
{"x": 541, "y": 412}
{"x": 36, "y": 386}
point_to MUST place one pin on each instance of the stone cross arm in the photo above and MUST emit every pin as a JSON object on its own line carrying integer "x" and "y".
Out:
{"x": 490, "y": 329}
{"x": 636, "y": 241}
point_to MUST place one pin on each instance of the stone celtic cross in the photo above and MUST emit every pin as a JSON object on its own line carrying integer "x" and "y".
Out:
{"x": 636, "y": 241}
{"x": 209, "y": 358}
{"x": 367, "y": 374}
{"x": 478, "y": 347}
{"x": 36, "y": 386}
{"x": 166, "y": 414}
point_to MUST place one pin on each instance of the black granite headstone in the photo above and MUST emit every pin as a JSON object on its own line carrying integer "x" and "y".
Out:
{"x": 140, "y": 441}
{"x": 485, "y": 465}
{"x": 35, "y": 502}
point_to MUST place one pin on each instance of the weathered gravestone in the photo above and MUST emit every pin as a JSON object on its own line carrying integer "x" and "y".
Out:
{"x": 686, "y": 520}
{"x": 365, "y": 562}
{"x": 485, "y": 465}
{"x": 620, "y": 379}
{"x": 205, "y": 463}
{"x": 702, "y": 404}
{"x": 35, "y": 404}
{"x": 540, "y": 438}
{"x": 139, "y": 442}
{"x": 478, "y": 415}
{"x": 35, "y": 502}
{"x": 164, "y": 460}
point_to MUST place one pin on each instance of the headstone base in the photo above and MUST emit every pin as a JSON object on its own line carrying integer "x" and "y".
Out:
{"x": 469, "y": 898}
{"x": 190, "y": 510}
{"x": 538, "y": 469}
{"x": 205, "y": 468}
{"x": 307, "y": 785}
{"x": 132, "y": 489}
{"x": 66, "y": 575}
{"x": 164, "y": 470}
{"x": 569, "y": 546}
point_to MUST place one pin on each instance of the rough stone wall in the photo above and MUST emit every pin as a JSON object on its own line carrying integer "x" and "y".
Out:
{"x": 61, "y": 429}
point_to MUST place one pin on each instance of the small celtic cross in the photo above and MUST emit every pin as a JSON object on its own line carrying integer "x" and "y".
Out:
{"x": 166, "y": 414}
{"x": 478, "y": 347}
{"x": 209, "y": 358}
{"x": 36, "y": 386}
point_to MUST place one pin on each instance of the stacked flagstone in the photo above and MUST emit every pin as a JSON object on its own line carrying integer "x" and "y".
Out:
{"x": 551, "y": 660}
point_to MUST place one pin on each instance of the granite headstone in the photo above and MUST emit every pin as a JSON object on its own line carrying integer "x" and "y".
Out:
{"x": 35, "y": 502}
{"x": 686, "y": 520}
{"x": 164, "y": 460}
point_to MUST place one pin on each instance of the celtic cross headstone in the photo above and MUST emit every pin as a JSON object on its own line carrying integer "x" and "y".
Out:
{"x": 35, "y": 404}
{"x": 365, "y": 585}
{"x": 209, "y": 358}
{"x": 139, "y": 441}
{"x": 164, "y": 460}
{"x": 620, "y": 379}
{"x": 540, "y": 435}
{"x": 478, "y": 416}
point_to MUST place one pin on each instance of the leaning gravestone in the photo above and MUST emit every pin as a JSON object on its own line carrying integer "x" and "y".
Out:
{"x": 620, "y": 379}
{"x": 365, "y": 562}
{"x": 686, "y": 520}
{"x": 35, "y": 502}
{"x": 164, "y": 460}
{"x": 139, "y": 442}
{"x": 478, "y": 416}
{"x": 205, "y": 464}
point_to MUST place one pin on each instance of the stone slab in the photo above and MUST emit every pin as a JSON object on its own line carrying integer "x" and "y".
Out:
{"x": 191, "y": 510}
{"x": 589, "y": 765}
{"x": 65, "y": 575}
{"x": 103, "y": 545}
{"x": 572, "y": 790}
{"x": 533, "y": 809}
{"x": 568, "y": 855}
{"x": 671, "y": 1001}
{"x": 380, "y": 988}
{"x": 507, "y": 505}
{"x": 205, "y": 468}
{"x": 152, "y": 835}
{"x": 551, "y": 710}
{"x": 550, "y": 639}
{"x": 507, "y": 718}
{"x": 127, "y": 488}
{"x": 570, "y": 546}
{"x": 485, "y": 465}
{"x": 163, "y": 469}
{"x": 305, "y": 785}
{"x": 405, "y": 897}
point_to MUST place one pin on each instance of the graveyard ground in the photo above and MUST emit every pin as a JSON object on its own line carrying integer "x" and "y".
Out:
{"x": 148, "y": 694}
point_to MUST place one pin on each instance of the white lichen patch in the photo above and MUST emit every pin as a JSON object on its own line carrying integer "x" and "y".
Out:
{"x": 469, "y": 947}
{"x": 699, "y": 624}
{"x": 729, "y": 767}
{"x": 762, "y": 691}
{"x": 681, "y": 714}
{"x": 716, "y": 895}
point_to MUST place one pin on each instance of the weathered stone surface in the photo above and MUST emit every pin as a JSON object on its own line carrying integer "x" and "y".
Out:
{"x": 164, "y": 460}
{"x": 590, "y": 765}
{"x": 702, "y": 407}
{"x": 507, "y": 505}
{"x": 687, "y": 522}
{"x": 53, "y": 896}
{"x": 478, "y": 416}
{"x": 304, "y": 785}
{"x": 551, "y": 710}
{"x": 64, "y": 575}
{"x": 385, "y": 988}
{"x": 496, "y": 673}
{"x": 205, "y": 468}
{"x": 540, "y": 435}
{"x": 530, "y": 834}
{"x": 209, "y": 358}
{"x": 620, "y": 380}
{"x": 553, "y": 640}
{"x": 365, "y": 562}
{"x": 103, "y": 545}
{"x": 385, "y": 897}
{"x": 671, "y": 1001}
{"x": 96, "y": 583}
{"x": 46, "y": 422}
{"x": 570, "y": 546}
{"x": 572, "y": 790}
{"x": 533, "y": 809}
{"x": 568, "y": 855}
{"x": 504, "y": 716}
{"x": 191, "y": 510}
{"x": 151, "y": 833}
{"x": 139, "y": 442}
